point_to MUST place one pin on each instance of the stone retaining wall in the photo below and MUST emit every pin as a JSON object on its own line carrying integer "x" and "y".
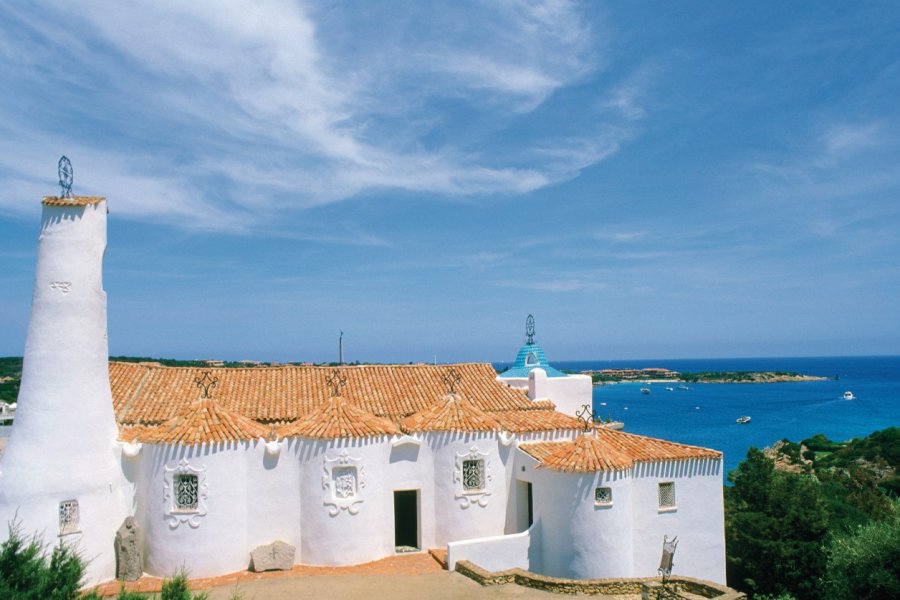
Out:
{"x": 614, "y": 587}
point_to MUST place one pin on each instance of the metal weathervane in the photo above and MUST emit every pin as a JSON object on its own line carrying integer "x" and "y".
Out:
{"x": 206, "y": 383}
{"x": 66, "y": 174}
{"x": 336, "y": 381}
{"x": 450, "y": 379}
{"x": 529, "y": 330}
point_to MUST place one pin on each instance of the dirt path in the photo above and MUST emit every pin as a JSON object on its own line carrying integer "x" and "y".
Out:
{"x": 433, "y": 586}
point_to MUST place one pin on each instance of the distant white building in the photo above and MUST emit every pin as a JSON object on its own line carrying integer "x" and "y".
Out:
{"x": 347, "y": 465}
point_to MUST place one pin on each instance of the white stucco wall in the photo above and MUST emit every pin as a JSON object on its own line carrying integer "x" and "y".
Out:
{"x": 335, "y": 535}
{"x": 698, "y": 520}
{"x": 497, "y": 553}
{"x": 63, "y": 442}
{"x": 580, "y": 538}
{"x": 205, "y": 544}
{"x": 568, "y": 393}
{"x": 459, "y": 515}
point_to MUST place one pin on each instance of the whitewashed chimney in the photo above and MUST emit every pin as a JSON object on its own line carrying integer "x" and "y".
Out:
{"x": 61, "y": 473}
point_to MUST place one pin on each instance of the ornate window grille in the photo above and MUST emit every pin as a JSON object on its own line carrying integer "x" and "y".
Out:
{"x": 344, "y": 482}
{"x": 68, "y": 517}
{"x": 603, "y": 495}
{"x": 187, "y": 491}
{"x": 667, "y": 495}
{"x": 473, "y": 475}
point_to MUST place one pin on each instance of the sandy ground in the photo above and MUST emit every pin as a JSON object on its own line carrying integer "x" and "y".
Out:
{"x": 433, "y": 586}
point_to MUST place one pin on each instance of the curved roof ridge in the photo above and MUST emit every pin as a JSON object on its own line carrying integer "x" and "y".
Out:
{"x": 609, "y": 450}
{"x": 586, "y": 454}
{"x": 203, "y": 421}
{"x": 653, "y": 448}
{"x": 338, "y": 417}
{"x": 451, "y": 413}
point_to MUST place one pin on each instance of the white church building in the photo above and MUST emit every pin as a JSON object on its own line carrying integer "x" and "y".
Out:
{"x": 346, "y": 465}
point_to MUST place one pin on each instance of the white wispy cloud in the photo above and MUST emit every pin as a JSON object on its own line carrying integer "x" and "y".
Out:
{"x": 242, "y": 111}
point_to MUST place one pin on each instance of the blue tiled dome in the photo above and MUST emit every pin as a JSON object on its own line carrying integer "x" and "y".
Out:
{"x": 531, "y": 356}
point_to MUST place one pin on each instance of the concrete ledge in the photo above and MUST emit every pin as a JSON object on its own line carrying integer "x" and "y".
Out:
{"x": 613, "y": 587}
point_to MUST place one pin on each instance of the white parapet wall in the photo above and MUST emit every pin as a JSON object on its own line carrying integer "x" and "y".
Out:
{"x": 569, "y": 393}
{"x": 497, "y": 553}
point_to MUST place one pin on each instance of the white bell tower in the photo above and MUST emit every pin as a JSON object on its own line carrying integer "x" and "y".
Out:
{"x": 61, "y": 474}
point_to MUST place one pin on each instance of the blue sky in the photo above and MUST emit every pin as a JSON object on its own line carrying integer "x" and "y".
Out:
{"x": 649, "y": 179}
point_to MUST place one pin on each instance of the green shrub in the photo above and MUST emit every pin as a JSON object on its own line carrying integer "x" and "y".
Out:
{"x": 125, "y": 595}
{"x": 27, "y": 573}
{"x": 866, "y": 563}
{"x": 177, "y": 588}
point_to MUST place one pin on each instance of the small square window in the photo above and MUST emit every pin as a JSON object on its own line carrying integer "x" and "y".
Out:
{"x": 186, "y": 491}
{"x": 667, "y": 494}
{"x": 68, "y": 517}
{"x": 603, "y": 496}
{"x": 473, "y": 475}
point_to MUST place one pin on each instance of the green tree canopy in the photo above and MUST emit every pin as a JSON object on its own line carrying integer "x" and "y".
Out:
{"x": 776, "y": 527}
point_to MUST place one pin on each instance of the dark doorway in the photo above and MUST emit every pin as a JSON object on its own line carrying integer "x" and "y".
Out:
{"x": 524, "y": 506}
{"x": 530, "y": 507}
{"x": 406, "y": 520}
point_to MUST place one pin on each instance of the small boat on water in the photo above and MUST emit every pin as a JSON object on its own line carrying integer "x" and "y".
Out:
{"x": 682, "y": 387}
{"x": 645, "y": 390}
{"x": 742, "y": 420}
{"x": 669, "y": 388}
{"x": 848, "y": 395}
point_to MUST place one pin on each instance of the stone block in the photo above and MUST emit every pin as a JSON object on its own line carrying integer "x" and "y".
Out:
{"x": 277, "y": 556}
{"x": 129, "y": 551}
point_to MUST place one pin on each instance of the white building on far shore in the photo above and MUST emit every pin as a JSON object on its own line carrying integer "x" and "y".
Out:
{"x": 346, "y": 465}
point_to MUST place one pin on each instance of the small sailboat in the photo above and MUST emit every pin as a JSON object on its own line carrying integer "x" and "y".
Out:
{"x": 848, "y": 395}
{"x": 742, "y": 420}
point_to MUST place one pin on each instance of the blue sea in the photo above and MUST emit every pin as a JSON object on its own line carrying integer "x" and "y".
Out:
{"x": 704, "y": 415}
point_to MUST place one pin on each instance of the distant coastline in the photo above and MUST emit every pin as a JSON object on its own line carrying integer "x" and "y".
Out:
{"x": 661, "y": 375}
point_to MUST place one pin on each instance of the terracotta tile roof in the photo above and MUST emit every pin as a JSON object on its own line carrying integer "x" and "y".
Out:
{"x": 376, "y": 398}
{"x": 451, "y": 413}
{"x": 73, "y": 201}
{"x": 202, "y": 421}
{"x": 147, "y": 394}
{"x": 535, "y": 420}
{"x": 609, "y": 450}
{"x": 337, "y": 417}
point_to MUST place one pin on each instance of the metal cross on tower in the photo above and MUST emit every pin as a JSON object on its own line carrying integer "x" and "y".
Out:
{"x": 66, "y": 174}
{"x": 529, "y": 330}
{"x": 450, "y": 379}
{"x": 336, "y": 381}
{"x": 206, "y": 383}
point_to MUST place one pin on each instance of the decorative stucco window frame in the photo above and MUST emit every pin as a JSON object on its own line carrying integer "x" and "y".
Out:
{"x": 343, "y": 479}
{"x": 473, "y": 496}
{"x": 666, "y": 505}
{"x": 174, "y": 514}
